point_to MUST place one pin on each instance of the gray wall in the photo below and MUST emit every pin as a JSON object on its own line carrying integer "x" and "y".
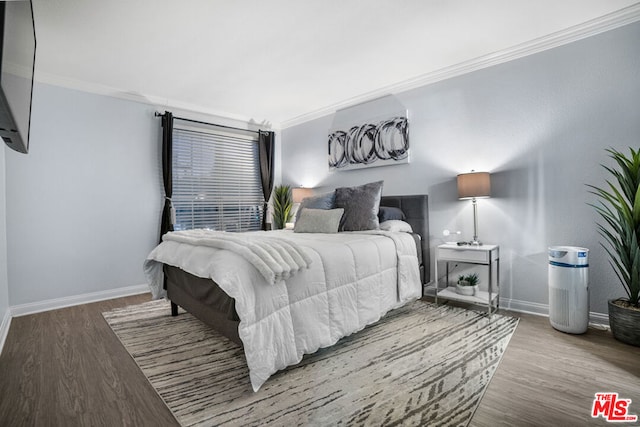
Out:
{"x": 82, "y": 209}
{"x": 539, "y": 125}
{"x": 83, "y": 206}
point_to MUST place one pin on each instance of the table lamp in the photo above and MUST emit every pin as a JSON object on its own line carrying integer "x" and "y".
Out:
{"x": 299, "y": 193}
{"x": 472, "y": 186}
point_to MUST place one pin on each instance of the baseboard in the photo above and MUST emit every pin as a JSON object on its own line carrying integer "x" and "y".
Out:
{"x": 4, "y": 328}
{"x": 54, "y": 304}
{"x": 599, "y": 319}
{"x": 595, "y": 319}
{"x": 524, "y": 306}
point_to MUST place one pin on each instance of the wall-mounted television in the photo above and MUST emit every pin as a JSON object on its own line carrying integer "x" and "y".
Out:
{"x": 17, "y": 61}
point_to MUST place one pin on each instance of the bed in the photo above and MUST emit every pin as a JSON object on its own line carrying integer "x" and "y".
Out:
{"x": 278, "y": 321}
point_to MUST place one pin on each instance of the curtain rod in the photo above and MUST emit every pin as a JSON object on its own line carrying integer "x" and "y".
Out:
{"x": 209, "y": 124}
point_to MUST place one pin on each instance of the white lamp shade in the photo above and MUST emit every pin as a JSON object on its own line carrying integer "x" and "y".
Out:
{"x": 474, "y": 184}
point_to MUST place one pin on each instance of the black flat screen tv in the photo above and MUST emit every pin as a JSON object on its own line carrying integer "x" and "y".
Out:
{"x": 17, "y": 61}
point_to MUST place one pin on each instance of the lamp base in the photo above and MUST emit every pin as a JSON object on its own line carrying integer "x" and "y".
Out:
{"x": 475, "y": 241}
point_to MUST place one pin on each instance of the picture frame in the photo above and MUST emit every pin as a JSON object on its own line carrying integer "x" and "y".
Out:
{"x": 357, "y": 143}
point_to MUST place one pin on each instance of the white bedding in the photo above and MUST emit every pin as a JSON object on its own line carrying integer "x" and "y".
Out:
{"x": 353, "y": 279}
{"x": 275, "y": 258}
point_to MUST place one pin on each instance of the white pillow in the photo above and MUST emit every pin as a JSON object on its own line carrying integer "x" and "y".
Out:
{"x": 396, "y": 225}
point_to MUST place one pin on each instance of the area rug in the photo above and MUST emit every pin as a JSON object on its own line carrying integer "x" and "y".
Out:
{"x": 422, "y": 364}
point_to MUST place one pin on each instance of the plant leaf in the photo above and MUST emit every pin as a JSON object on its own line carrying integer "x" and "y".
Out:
{"x": 619, "y": 208}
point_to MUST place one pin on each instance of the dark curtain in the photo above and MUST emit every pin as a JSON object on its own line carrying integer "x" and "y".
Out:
{"x": 266, "y": 143}
{"x": 167, "y": 173}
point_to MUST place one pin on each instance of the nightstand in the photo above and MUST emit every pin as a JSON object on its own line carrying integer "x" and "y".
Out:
{"x": 488, "y": 255}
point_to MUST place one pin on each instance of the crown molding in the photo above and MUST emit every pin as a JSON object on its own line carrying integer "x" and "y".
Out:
{"x": 590, "y": 28}
{"x": 156, "y": 101}
{"x": 578, "y": 32}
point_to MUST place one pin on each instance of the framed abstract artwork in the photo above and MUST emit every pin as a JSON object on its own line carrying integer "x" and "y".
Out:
{"x": 382, "y": 141}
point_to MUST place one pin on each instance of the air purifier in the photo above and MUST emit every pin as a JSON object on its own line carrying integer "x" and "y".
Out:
{"x": 569, "y": 288}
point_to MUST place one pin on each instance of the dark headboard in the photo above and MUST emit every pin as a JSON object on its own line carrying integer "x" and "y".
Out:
{"x": 416, "y": 209}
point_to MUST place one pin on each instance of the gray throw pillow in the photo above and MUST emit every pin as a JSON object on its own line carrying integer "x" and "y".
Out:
{"x": 321, "y": 201}
{"x": 360, "y": 205}
{"x": 318, "y": 221}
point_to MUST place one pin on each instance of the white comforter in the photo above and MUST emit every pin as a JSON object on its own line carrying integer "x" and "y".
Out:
{"x": 351, "y": 281}
{"x": 275, "y": 258}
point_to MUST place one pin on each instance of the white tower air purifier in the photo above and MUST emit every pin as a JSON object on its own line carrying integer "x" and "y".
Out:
{"x": 569, "y": 289}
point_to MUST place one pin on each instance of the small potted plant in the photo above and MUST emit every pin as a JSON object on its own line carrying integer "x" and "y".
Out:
{"x": 282, "y": 206}
{"x": 468, "y": 285}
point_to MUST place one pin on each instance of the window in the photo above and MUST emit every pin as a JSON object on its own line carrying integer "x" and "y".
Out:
{"x": 216, "y": 180}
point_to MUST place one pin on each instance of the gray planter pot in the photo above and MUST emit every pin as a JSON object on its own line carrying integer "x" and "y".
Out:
{"x": 625, "y": 324}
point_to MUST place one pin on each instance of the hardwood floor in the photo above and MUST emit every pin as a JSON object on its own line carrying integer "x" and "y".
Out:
{"x": 549, "y": 378}
{"x": 66, "y": 368}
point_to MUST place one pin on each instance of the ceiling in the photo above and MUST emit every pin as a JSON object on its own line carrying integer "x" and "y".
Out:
{"x": 287, "y": 61}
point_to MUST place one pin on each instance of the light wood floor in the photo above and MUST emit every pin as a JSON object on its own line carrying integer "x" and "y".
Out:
{"x": 66, "y": 368}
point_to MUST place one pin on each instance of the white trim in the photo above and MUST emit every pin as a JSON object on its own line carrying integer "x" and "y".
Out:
{"x": 54, "y": 304}
{"x": 181, "y": 125}
{"x": 599, "y": 320}
{"x": 525, "y": 307}
{"x": 156, "y": 101}
{"x": 590, "y": 28}
{"x": 4, "y": 328}
{"x": 595, "y": 319}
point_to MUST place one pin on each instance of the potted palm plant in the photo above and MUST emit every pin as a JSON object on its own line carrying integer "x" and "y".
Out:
{"x": 282, "y": 206}
{"x": 619, "y": 207}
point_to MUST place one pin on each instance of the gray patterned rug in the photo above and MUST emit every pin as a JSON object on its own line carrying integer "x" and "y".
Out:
{"x": 420, "y": 365}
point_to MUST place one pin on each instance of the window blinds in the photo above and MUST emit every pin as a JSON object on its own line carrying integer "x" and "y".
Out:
{"x": 216, "y": 180}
